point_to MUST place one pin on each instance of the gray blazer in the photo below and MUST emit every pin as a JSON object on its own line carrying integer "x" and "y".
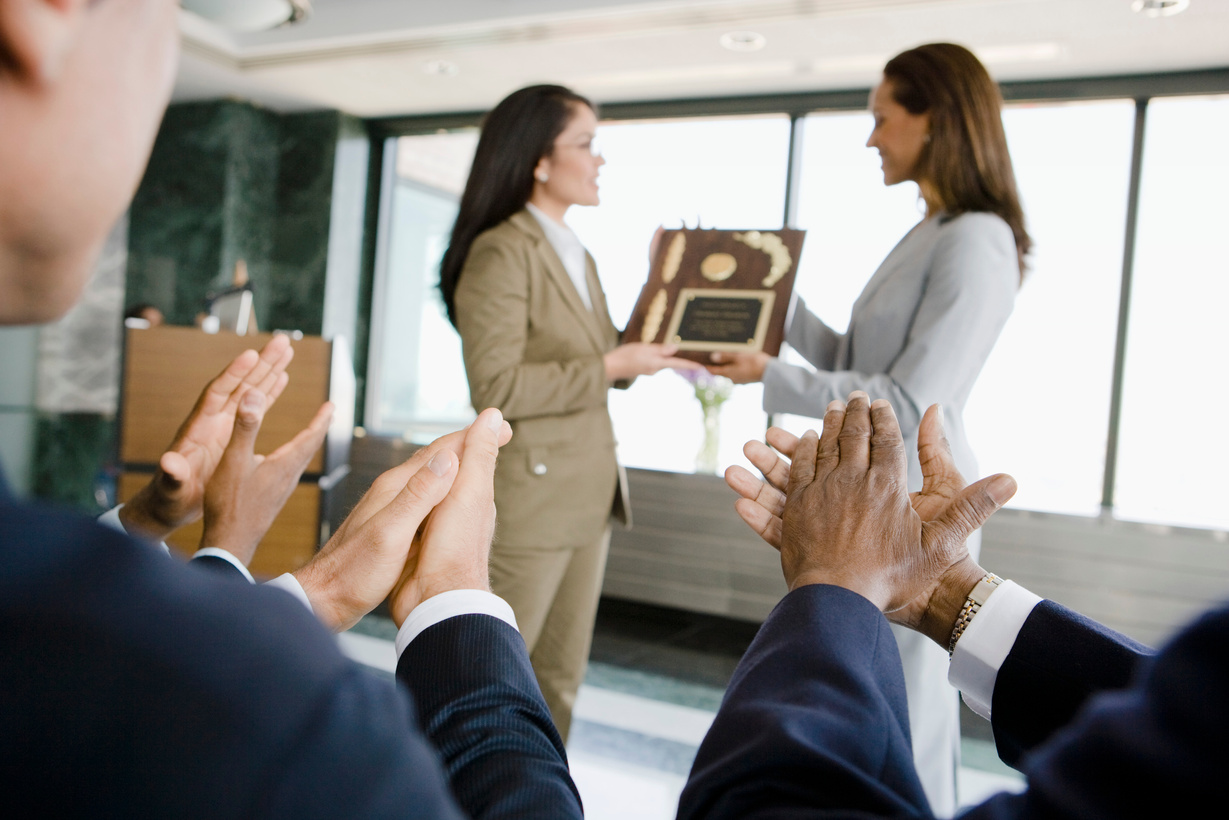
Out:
{"x": 918, "y": 335}
{"x": 534, "y": 350}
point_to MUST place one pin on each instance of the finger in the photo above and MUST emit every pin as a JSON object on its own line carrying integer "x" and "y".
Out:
{"x": 829, "y": 449}
{"x": 300, "y": 449}
{"x": 854, "y": 440}
{"x": 774, "y": 469}
{"x": 766, "y": 525}
{"x": 393, "y": 527}
{"x": 248, "y": 418}
{"x": 802, "y": 468}
{"x": 682, "y": 364}
{"x": 275, "y": 357}
{"x": 283, "y": 379}
{"x": 174, "y": 470}
{"x": 752, "y": 489}
{"x": 475, "y": 479}
{"x": 935, "y": 453}
{"x": 887, "y": 444}
{"x": 973, "y": 506}
{"x": 218, "y": 392}
{"x": 782, "y": 441}
{"x": 720, "y": 358}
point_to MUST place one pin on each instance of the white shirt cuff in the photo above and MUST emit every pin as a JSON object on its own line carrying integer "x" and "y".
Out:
{"x": 217, "y": 552}
{"x": 291, "y": 584}
{"x": 111, "y": 519}
{"x": 449, "y": 605}
{"x": 984, "y": 646}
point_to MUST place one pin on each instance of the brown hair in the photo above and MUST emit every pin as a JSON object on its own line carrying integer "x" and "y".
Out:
{"x": 965, "y": 165}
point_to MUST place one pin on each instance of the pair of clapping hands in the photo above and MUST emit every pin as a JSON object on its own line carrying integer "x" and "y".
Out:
{"x": 840, "y": 512}
{"x": 423, "y": 527}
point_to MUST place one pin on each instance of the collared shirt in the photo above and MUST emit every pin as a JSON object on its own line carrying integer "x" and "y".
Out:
{"x": 569, "y": 250}
{"x": 428, "y": 613}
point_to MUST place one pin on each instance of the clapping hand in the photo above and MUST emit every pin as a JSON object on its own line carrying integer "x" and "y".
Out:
{"x": 247, "y": 491}
{"x": 175, "y": 495}
{"x": 424, "y": 527}
{"x": 840, "y": 513}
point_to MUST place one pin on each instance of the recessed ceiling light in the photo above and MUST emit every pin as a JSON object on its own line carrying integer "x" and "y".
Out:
{"x": 743, "y": 41}
{"x": 1160, "y": 8}
{"x": 441, "y": 68}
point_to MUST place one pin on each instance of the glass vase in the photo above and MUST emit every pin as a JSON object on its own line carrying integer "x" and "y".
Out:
{"x": 706, "y": 459}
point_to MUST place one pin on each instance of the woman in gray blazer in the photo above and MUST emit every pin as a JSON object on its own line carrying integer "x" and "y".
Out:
{"x": 539, "y": 344}
{"x": 927, "y": 320}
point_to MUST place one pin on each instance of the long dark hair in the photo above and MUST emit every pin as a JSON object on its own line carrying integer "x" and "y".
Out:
{"x": 515, "y": 136}
{"x": 965, "y": 166}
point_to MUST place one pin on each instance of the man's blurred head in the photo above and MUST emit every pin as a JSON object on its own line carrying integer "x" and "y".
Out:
{"x": 83, "y": 86}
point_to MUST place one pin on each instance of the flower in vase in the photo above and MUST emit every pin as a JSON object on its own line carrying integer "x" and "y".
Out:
{"x": 712, "y": 391}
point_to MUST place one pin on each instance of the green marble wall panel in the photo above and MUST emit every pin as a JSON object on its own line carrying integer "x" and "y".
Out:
{"x": 299, "y": 265}
{"x": 74, "y": 458}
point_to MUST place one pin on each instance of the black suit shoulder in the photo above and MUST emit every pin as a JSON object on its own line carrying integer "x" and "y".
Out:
{"x": 135, "y": 687}
{"x": 1060, "y": 659}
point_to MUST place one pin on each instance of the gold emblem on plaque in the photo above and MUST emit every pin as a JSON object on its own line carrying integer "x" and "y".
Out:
{"x": 652, "y": 319}
{"x": 674, "y": 258}
{"x": 718, "y": 267}
{"x": 772, "y": 245}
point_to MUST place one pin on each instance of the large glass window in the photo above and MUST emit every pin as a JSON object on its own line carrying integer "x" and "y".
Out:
{"x": 719, "y": 173}
{"x": 418, "y": 383}
{"x": 1040, "y": 410}
{"x": 1173, "y": 447}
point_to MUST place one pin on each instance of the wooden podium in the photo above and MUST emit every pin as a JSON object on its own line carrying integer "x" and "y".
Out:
{"x": 165, "y": 369}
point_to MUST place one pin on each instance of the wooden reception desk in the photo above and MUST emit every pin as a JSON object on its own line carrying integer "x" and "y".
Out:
{"x": 165, "y": 369}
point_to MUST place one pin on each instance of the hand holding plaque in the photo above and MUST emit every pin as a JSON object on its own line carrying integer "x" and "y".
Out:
{"x": 712, "y": 290}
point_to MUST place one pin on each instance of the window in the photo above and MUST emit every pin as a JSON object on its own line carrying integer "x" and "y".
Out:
{"x": 1178, "y": 336}
{"x": 1040, "y": 410}
{"x": 721, "y": 173}
{"x": 418, "y": 384}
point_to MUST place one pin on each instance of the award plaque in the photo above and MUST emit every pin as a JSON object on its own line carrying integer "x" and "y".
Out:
{"x": 711, "y": 290}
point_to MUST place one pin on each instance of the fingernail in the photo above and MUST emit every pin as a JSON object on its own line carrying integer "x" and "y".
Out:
{"x": 1001, "y": 489}
{"x": 495, "y": 420}
{"x": 252, "y": 401}
{"x": 939, "y": 413}
{"x": 439, "y": 464}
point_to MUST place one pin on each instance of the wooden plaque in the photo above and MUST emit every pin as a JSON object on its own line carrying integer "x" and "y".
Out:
{"x": 711, "y": 290}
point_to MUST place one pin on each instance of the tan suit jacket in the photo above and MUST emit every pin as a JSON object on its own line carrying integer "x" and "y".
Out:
{"x": 534, "y": 350}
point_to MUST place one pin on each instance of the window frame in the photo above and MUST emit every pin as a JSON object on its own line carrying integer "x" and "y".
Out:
{"x": 1141, "y": 88}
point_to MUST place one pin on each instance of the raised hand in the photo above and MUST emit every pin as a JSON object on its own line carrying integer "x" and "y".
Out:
{"x": 175, "y": 495}
{"x": 454, "y": 547}
{"x": 247, "y": 490}
{"x": 763, "y": 501}
{"x": 368, "y": 554}
{"x": 848, "y": 519}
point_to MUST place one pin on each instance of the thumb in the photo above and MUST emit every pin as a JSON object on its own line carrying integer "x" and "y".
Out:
{"x": 475, "y": 479}
{"x": 973, "y": 506}
{"x": 248, "y": 417}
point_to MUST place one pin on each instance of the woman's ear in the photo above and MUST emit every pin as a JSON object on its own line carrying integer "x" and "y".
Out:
{"x": 37, "y": 36}
{"x": 541, "y": 171}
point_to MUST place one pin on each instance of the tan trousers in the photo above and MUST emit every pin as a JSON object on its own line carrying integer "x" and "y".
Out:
{"x": 554, "y": 593}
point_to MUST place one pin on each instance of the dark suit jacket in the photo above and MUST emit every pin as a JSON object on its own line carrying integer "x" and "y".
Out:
{"x": 133, "y": 686}
{"x": 814, "y": 723}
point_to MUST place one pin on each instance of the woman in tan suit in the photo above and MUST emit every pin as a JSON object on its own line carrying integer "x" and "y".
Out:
{"x": 539, "y": 344}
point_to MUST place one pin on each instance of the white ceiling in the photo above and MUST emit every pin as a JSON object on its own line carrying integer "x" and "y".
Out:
{"x": 370, "y": 57}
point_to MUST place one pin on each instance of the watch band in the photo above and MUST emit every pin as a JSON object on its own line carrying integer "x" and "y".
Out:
{"x": 972, "y": 604}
